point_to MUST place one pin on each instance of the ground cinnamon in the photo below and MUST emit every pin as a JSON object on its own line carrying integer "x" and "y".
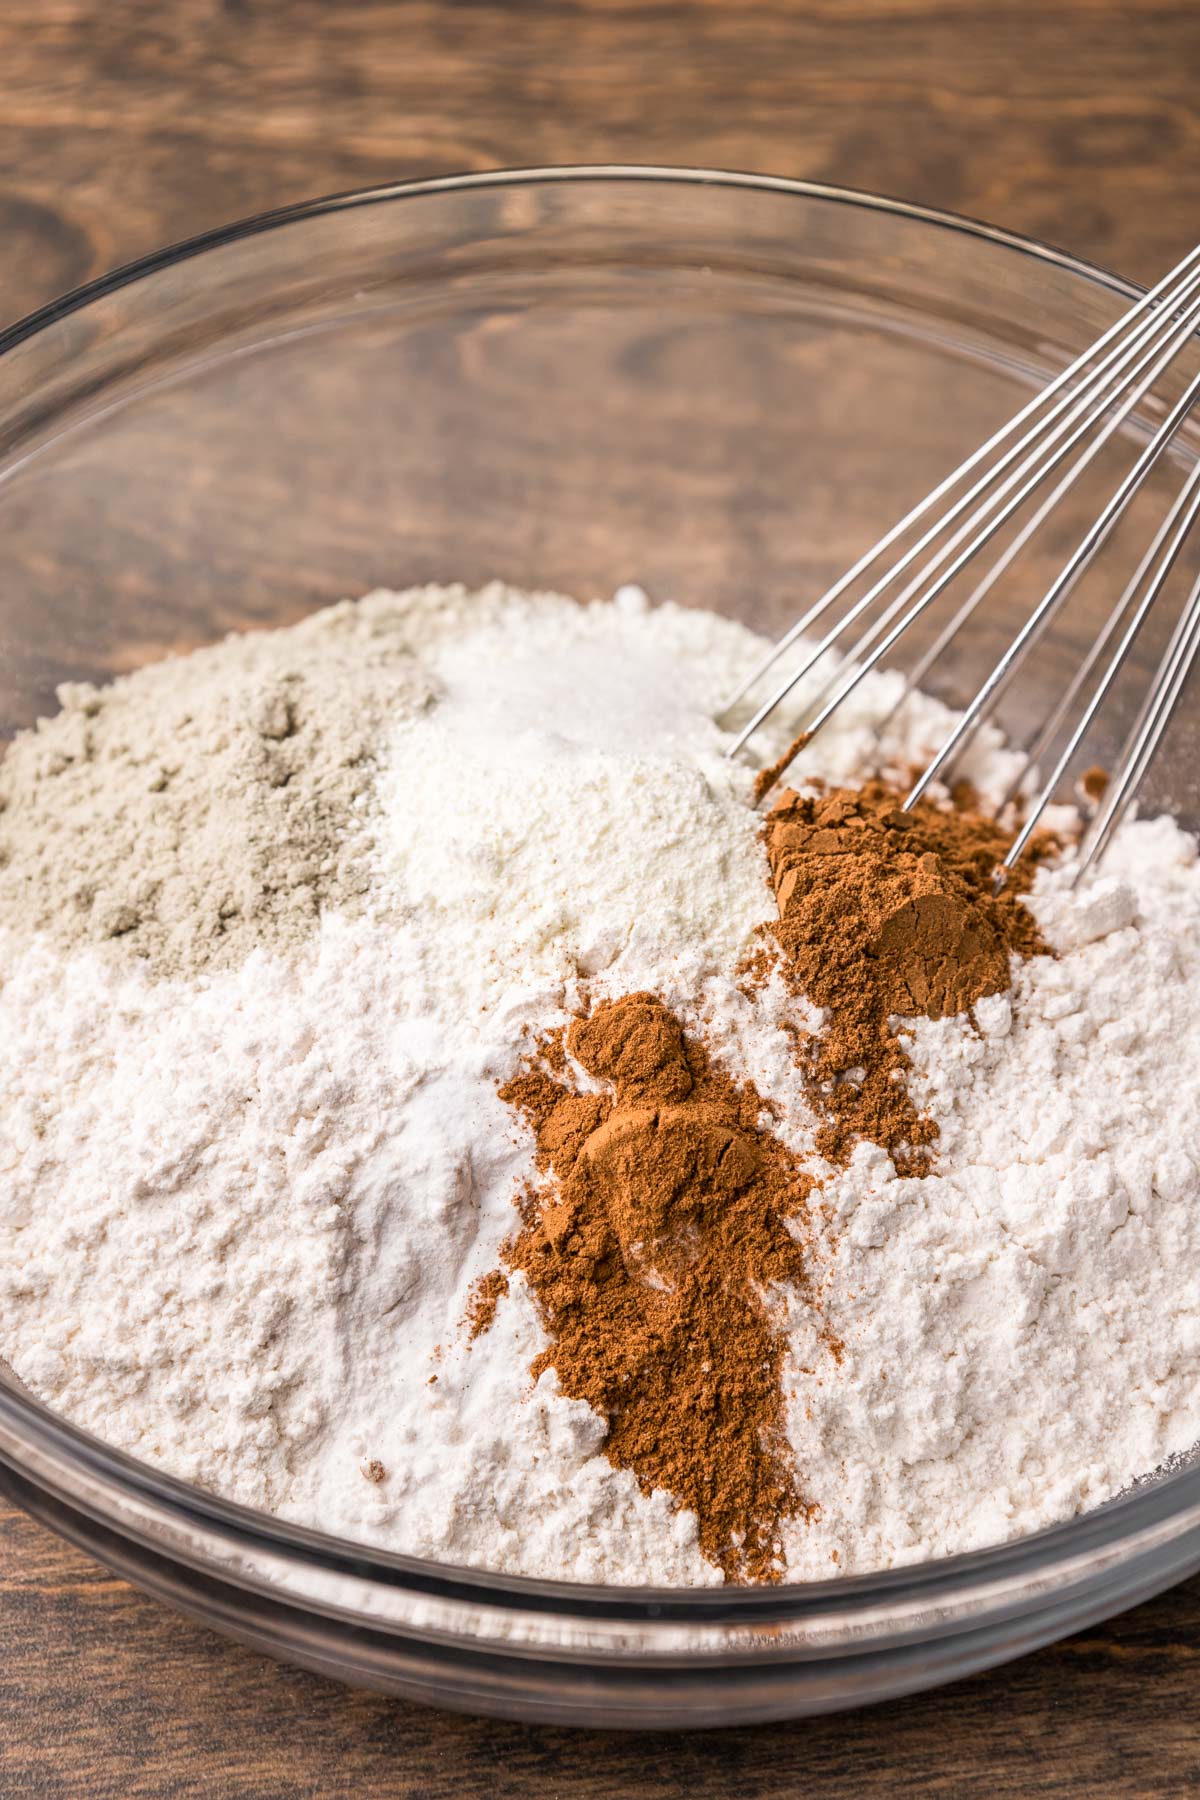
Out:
{"x": 486, "y": 1296}
{"x": 883, "y": 912}
{"x": 660, "y": 1258}
{"x": 665, "y": 1236}
{"x": 767, "y": 778}
{"x": 1094, "y": 782}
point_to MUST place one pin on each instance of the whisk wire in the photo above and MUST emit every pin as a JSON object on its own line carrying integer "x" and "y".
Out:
{"x": 1037, "y": 746}
{"x": 858, "y": 655}
{"x": 1190, "y": 496}
{"x": 1092, "y": 540}
{"x": 1080, "y": 410}
{"x": 862, "y": 657}
{"x": 1148, "y": 727}
{"x": 1063, "y": 428}
{"x": 1171, "y": 290}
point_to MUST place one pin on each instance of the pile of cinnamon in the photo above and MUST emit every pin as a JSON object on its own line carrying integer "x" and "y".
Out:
{"x": 886, "y": 913}
{"x": 660, "y": 1255}
{"x": 665, "y": 1236}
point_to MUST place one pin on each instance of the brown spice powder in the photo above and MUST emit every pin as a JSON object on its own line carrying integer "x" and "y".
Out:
{"x": 883, "y": 912}
{"x": 668, "y": 1231}
{"x": 486, "y": 1295}
{"x": 658, "y": 1261}
{"x": 766, "y": 778}
{"x": 1094, "y": 782}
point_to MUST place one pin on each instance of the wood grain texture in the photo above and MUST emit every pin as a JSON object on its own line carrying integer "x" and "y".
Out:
{"x": 126, "y": 124}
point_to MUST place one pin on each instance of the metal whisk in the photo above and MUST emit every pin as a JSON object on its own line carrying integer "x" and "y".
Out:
{"x": 1064, "y": 427}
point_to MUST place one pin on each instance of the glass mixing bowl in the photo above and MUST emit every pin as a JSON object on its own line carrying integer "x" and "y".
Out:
{"x": 720, "y": 386}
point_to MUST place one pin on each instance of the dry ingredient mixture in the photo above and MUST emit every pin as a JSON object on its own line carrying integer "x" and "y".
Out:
{"x": 435, "y": 1105}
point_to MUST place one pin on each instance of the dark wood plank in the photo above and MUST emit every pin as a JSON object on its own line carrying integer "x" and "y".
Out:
{"x": 123, "y": 125}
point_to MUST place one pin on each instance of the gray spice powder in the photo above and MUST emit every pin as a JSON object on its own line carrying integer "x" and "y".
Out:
{"x": 211, "y": 802}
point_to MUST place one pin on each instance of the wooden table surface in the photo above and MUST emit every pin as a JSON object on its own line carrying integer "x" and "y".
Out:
{"x": 125, "y": 124}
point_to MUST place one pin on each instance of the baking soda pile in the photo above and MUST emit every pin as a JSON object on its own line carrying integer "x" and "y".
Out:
{"x": 280, "y": 921}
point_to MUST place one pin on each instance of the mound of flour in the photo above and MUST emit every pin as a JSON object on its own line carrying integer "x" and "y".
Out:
{"x": 244, "y": 1195}
{"x": 1021, "y": 1329}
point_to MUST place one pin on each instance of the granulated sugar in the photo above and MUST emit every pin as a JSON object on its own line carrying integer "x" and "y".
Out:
{"x": 251, "y": 1171}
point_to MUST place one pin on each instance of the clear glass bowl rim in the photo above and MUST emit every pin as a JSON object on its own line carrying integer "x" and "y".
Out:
{"x": 869, "y": 1609}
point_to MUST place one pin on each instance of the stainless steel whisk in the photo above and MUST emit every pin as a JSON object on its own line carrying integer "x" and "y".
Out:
{"x": 1067, "y": 423}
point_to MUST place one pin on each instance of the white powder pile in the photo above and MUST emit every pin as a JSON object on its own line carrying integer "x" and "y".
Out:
{"x": 1022, "y": 1327}
{"x": 242, "y": 1205}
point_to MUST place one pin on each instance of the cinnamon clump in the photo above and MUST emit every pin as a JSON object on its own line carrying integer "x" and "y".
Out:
{"x": 1094, "y": 782}
{"x": 486, "y": 1295}
{"x": 883, "y": 912}
{"x": 766, "y": 778}
{"x": 658, "y": 1256}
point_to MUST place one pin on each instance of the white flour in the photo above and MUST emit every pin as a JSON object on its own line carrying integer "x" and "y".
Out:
{"x": 1022, "y": 1328}
{"x": 241, "y": 1213}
